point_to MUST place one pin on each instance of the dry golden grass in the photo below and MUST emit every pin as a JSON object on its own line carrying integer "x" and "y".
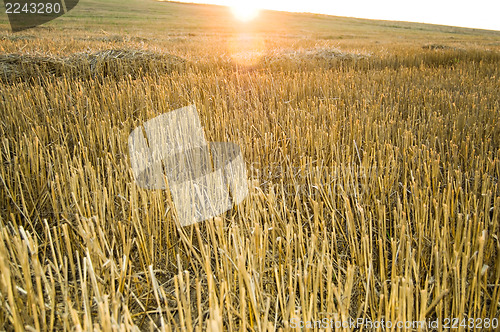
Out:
{"x": 373, "y": 173}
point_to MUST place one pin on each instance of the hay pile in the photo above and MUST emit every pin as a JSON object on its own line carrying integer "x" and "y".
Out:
{"x": 326, "y": 57}
{"x": 435, "y": 47}
{"x": 314, "y": 54}
{"x": 87, "y": 65}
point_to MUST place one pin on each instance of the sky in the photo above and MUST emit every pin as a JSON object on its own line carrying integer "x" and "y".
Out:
{"x": 482, "y": 14}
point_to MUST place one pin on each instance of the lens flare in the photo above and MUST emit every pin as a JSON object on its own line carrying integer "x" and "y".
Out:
{"x": 246, "y": 49}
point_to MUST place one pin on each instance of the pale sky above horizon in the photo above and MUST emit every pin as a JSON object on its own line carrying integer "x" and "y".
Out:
{"x": 481, "y": 14}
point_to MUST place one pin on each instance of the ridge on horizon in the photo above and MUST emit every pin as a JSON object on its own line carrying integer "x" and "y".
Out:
{"x": 341, "y": 16}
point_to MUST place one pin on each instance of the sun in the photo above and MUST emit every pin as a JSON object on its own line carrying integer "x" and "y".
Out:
{"x": 245, "y": 12}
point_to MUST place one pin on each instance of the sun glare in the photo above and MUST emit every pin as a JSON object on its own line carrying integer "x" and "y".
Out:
{"x": 245, "y": 12}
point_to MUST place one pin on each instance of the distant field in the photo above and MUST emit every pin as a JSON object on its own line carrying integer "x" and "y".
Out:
{"x": 372, "y": 151}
